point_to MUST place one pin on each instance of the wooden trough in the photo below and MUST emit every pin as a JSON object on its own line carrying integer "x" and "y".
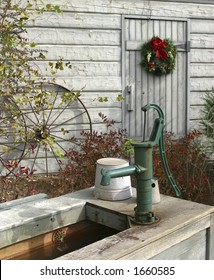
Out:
{"x": 185, "y": 230}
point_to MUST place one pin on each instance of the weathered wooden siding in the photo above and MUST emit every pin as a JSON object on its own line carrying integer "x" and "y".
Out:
{"x": 202, "y": 65}
{"x": 89, "y": 35}
{"x": 92, "y": 43}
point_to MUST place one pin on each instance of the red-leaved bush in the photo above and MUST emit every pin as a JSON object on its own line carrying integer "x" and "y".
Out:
{"x": 79, "y": 172}
{"x": 189, "y": 165}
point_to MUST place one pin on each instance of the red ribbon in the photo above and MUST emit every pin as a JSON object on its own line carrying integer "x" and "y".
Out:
{"x": 158, "y": 45}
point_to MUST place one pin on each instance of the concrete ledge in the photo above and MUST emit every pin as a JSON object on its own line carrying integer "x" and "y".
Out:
{"x": 26, "y": 220}
{"x": 32, "y": 198}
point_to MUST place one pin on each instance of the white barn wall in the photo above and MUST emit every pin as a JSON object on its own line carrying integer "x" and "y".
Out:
{"x": 92, "y": 43}
{"x": 89, "y": 35}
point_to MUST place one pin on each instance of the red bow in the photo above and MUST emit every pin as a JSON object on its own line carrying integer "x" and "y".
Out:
{"x": 158, "y": 45}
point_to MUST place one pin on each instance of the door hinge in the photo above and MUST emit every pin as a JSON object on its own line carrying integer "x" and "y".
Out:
{"x": 184, "y": 46}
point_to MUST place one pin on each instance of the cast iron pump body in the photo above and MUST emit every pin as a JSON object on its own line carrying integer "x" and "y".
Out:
{"x": 143, "y": 169}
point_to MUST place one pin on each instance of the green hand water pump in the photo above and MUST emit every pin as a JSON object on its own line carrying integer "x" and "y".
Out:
{"x": 143, "y": 169}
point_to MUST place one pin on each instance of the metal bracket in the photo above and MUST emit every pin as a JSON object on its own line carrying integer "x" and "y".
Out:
{"x": 184, "y": 46}
{"x": 188, "y": 45}
{"x": 107, "y": 217}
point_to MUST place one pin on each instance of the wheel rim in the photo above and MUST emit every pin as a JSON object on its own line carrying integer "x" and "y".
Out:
{"x": 12, "y": 142}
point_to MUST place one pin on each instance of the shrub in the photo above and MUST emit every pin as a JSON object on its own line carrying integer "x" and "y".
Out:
{"x": 207, "y": 121}
{"x": 189, "y": 166}
{"x": 79, "y": 172}
{"x": 208, "y": 114}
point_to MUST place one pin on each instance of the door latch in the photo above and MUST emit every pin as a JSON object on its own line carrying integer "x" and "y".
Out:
{"x": 130, "y": 91}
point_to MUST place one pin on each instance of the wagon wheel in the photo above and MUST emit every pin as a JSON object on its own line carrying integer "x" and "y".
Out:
{"x": 13, "y": 133}
{"x": 52, "y": 117}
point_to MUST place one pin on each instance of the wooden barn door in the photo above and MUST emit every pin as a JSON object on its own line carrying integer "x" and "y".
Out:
{"x": 170, "y": 92}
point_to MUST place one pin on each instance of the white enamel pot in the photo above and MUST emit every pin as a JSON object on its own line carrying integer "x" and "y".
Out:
{"x": 119, "y": 188}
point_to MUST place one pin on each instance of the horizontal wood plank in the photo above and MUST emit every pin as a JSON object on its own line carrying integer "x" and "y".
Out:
{"x": 82, "y": 53}
{"x": 201, "y": 84}
{"x": 66, "y": 36}
{"x": 202, "y": 26}
{"x": 112, "y": 113}
{"x": 166, "y": 243}
{"x": 202, "y": 41}
{"x": 178, "y": 8}
{"x": 191, "y": 1}
{"x": 193, "y": 248}
{"x": 94, "y": 100}
{"x": 91, "y": 83}
{"x": 196, "y": 98}
{"x": 156, "y": 8}
{"x": 75, "y": 19}
{"x": 83, "y": 68}
{"x": 202, "y": 70}
{"x": 202, "y": 55}
{"x": 194, "y": 124}
{"x": 195, "y": 112}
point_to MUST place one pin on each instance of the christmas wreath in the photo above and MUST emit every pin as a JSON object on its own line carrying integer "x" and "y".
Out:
{"x": 158, "y": 56}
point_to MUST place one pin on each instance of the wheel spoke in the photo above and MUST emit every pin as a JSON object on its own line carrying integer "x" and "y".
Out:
{"x": 11, "y": 148}
{"x": 34, "y": 160}
{"x": 25, "y": 114}
{"x": 56, "y": 158}
{"x": 57, "y": 143}
{"x": 9, "y": 167}
{"x": 73, "y": 118}
{"x": 46, "y": 161}
{"x": 32, "y": 110}
{"x": 61, "y": 138}
{"x": 63, "y": 109}
{"x": 49, "y": 115}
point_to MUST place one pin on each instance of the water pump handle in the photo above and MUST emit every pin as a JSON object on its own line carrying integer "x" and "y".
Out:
{"x": 157, "y": 137}
{"x": 149, "y": 106}
{"x": 166, "y": 167}
{"x": 158, "y": 126}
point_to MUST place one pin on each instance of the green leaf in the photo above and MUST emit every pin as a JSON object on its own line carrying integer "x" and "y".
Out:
{"x": 4, "y": 149}
{"x": 33, "y": 45}
{"x": 103, "y": 99}
{"x": 42, "y": 56}
{"x": 120, "y": 97}
{"x": 148, "y": 57}
{"x": 48, "y": 6}
{"x": 57, "y": 9}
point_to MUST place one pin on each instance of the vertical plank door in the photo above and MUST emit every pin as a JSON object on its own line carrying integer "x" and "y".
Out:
{"x": 170, "y": 91}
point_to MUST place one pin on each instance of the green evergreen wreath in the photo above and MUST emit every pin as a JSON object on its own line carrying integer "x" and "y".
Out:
{"x": 158, "y": 56}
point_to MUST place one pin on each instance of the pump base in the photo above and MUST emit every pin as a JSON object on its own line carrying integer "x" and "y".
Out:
{"x": 146, "y": 218}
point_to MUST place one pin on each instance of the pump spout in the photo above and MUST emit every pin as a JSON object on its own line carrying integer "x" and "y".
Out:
{"x": 120, "y": 172}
